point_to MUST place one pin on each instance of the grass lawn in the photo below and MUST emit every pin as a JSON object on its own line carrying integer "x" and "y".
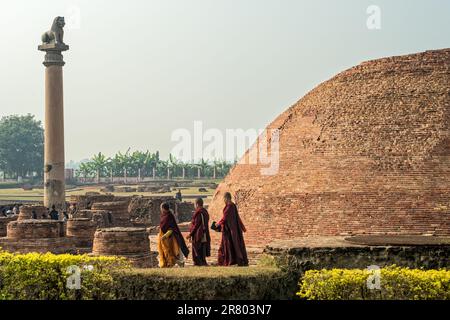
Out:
{"x": 18, "y": 194}
{"x": 208, "y": 272}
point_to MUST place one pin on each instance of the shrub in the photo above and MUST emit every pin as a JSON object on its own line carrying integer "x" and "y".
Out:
{"x": 396, "y": 284}
{"x": 36, "y": 276}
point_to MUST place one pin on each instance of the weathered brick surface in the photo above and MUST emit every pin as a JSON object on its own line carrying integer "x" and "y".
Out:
{"x": 102, "y": 218}
{"x": 26, "y": 212}
{"x": 366, "y": 152}
{"x": 35, "y": 229}
{"x": 131, "y": 243}
{"x": 4, "y": 222}
{"x": 37, "y": 236}
{"x": 184, "y": 211}
{"x": 87, "y": 200}
{"x": 82, "y": 231}
{"x": 118, "y": 209}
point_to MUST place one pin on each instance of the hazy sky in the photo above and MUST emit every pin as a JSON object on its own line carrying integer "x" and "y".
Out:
{"x": 139, "y": 69}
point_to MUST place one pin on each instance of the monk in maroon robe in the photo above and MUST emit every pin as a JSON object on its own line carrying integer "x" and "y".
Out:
{"x": 199, "y": 234}
{"x": 232, "y": 249}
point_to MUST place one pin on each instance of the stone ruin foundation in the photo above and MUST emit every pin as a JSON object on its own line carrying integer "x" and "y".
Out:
{"x": 102, "y": 225}
{"x": 82, "y": 231}
{"x": 26, "y": 212}
{"x": 37, "y": 236}
{"x": 102, "y": 218}
{"x": 87, "y": 200}
{"x": 119, "y": 212}
{"x": 4, "y": 222}
{"x": 131, "y": 243}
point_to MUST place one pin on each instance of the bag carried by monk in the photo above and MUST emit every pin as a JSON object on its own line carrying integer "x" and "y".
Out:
{"x": 204, "y": 239}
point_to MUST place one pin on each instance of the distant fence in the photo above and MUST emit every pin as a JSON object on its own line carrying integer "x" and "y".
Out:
{"x": 131, "y": 180}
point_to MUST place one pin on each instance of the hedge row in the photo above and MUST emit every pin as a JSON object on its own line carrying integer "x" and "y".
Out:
{"x": 35, "y": 276}
{"x": 395, "y": 283}
{"x": 45, "y": 276}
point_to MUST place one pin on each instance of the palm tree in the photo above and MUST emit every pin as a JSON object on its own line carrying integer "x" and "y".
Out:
{"x": 99, "y": 164}
{"x": 85, "y": 170}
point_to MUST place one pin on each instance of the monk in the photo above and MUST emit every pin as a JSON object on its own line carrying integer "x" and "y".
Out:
{"x": 171, "y": 246}
{"x": 199, "y": 234}
{"x": 232, "y": 249}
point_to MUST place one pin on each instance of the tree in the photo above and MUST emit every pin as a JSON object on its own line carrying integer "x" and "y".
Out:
{"x": 21, "y": 146}
{"x": 99, "y": 164}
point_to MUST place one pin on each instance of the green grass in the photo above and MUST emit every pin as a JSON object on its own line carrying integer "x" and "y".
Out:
{"x": 38, "y": 194}
{"x": 207, "y": 272}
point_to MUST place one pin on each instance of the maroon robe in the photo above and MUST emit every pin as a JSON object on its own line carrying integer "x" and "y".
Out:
{"x": 168, "y": 222}
{"x": 232, "y": 247}
{"x": 199, "y": 231}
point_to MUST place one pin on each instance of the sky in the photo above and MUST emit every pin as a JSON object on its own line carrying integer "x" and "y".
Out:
{"x": 138, "y": 70}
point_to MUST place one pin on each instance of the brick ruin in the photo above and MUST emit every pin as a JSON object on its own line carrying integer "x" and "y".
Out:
{"x": 131, "y": 243}
{"x": 366, "y": 152}
{"x": 119, "y": 212}
{"x": 82, "y": 231}
{"x": 102, "y": 225}
{"x": 36, "y": 235}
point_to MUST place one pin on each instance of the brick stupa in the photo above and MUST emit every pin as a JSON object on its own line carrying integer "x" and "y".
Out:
{"x": 366, "y": 152}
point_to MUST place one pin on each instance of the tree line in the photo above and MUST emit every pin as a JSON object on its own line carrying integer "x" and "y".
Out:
{"x": 22, "y": 155}
{"x": 21, "y": 147}
{"x": 149, "y": 164}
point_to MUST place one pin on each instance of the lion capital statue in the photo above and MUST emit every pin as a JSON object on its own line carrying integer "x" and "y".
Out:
{"x": 56, "y": 34}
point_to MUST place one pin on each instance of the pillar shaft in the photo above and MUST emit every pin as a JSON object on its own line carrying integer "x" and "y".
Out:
{"x": 54, "y": 138}
{"x": 54, "y": 162}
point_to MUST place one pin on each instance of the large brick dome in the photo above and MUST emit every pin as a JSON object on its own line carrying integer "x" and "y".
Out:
{"x": 365, "y": 152}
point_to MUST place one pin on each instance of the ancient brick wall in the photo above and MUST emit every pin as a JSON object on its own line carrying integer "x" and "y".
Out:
{"x": 118, "y": 209}
{"x": 132, "y": 243}
{"x": 184, "y": 211}
{"x": 366, "y": 152}
{"x": 82, "y": 231}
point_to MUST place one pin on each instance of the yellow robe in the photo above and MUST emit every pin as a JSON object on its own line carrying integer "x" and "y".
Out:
{"x": 168, "y": 250}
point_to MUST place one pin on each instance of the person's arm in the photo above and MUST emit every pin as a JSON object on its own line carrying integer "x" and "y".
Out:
{"x": 167, "y": 234}
{"x": 196, "y": 223}
{"x": 242, "y": 224}
{"x": 225, "y": 216}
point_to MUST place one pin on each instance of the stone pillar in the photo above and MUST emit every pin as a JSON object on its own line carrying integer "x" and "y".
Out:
{"x": 54, "y": 180}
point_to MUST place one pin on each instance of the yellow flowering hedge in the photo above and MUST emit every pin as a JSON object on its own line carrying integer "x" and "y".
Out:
{"x": 395, "y": 284}
{"x": 47, "y": 276}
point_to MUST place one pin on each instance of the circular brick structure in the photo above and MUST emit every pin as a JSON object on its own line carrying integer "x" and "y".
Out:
{"x": 131, "y": 243}
{"x": 366, "y": 152}
{"x": 26, "y": 212}
{"x": 34, "y": 229}
{"x": 82, "y": 231}
{"x": 118, "y": 209}
{"x": 3, "y": 224}
{"x": 37, "y": 236}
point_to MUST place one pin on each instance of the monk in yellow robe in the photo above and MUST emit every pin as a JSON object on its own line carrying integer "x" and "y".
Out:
{"x": 171, "y": 246}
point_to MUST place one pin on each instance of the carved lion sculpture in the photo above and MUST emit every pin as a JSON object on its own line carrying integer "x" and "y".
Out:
{"x": 56, "y": 33}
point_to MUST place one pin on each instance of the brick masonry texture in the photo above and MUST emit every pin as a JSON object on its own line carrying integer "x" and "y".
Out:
{"x": 82, "y": 231}
{"x": 26, "y": 212}
{"x": 118, "y": 209}
{"x": 132, "y": 243}
{"x": 366, "y": 152}
{"x": 3, "y": 224}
